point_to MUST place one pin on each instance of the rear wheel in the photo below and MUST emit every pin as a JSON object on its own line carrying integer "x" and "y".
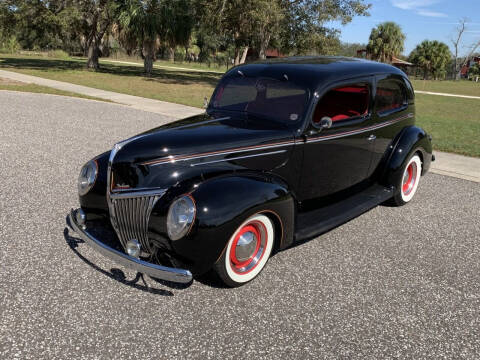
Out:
{"x": 409, "y": 182}
{"x": 247, "y": 251}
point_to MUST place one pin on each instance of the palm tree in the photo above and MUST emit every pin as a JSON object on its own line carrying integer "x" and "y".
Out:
{"x": 433, "y": 57}
{"x": 385, "y": 42}
{"x": 177, "y": 25}
{"x": 139, "y": 24}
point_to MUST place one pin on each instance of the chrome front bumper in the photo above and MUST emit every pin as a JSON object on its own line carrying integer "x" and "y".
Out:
{"x": 153, "y": 270}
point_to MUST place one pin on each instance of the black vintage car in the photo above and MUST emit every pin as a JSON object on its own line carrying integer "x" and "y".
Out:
{"x": 285, "y": 151}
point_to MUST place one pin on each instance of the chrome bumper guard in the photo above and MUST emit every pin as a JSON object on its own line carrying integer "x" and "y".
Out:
{"x": 153, "y": 270}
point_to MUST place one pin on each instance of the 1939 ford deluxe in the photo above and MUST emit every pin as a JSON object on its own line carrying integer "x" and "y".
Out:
{"x": 285, "y": 151}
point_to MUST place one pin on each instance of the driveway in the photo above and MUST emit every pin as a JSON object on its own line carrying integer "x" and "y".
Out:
{"x": 392, "y": 283}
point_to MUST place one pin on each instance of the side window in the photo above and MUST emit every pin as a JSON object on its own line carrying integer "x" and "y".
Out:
{"x": 391, "y": 95}
{"x": 343, "y": 103}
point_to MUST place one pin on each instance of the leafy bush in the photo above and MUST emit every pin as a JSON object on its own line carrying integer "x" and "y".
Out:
{"x": 474, "y": 70}
{"x": 9, "y": 45}
{"x": 179, "y": 55}
{"x": 221, "y": 59}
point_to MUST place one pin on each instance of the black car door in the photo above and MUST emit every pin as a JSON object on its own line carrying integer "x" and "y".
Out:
{"x": 393, "y": 111}
{"x": 338, "y": 157}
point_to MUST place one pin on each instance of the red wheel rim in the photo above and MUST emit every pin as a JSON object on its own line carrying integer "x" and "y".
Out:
{"x": 259, "y": 232}
{"x": 409, "y": 178}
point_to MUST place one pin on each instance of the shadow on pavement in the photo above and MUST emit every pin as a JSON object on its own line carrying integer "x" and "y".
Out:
{"x": 119, "y": 275}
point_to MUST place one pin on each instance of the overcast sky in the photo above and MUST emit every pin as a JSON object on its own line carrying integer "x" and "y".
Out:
{"x": 420, "y": 20}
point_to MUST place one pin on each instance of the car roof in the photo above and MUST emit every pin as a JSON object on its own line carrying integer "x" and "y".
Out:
{"x": 314, "y": 70}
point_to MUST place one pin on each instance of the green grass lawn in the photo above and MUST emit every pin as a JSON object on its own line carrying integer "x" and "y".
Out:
{"x": 454, "y": 123}
{"x": 461, "y": 87}
{"x": 33, "y": 88}
{"x": 167, "y": 64}
{"x": 177, "y": 86}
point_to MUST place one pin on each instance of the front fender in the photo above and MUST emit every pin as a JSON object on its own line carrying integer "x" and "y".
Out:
{"x": 411, "y": 140}
{"x": 94, "y": 203}
{"x": 222, "y": 204}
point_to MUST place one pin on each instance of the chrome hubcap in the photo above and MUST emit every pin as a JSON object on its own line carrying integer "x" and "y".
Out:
{"x": 246, "y": 246}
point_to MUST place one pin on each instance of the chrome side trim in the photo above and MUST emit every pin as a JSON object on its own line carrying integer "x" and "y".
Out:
{"x": 173, "y": 159}
{"x": 238, "y": 158}
{"x": 153, "y": 270}
{"x": 359, "y": 131}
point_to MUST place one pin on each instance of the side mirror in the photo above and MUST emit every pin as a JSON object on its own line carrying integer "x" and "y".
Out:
{"x": 325, "y": 123}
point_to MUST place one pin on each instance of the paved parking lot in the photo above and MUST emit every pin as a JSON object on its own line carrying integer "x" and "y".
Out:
{"x": 393, "y": 283}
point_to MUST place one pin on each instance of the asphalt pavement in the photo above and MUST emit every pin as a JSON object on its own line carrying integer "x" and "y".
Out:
{"x": 392, "y": 283}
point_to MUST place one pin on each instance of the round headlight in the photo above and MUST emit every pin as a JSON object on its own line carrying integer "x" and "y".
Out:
{"x": 87, "y": 177}
{"x": 180, "y": 217}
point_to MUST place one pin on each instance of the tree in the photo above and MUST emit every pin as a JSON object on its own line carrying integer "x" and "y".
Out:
{"x": 433, "y": 57}
{"x": 474, "y": 70}
{"x": 7, "y": 19}
{"x": 385, "y": 42}
{"x": 456, "y": 43}
{"x": 306, "y": 29}
{"x": 266, "y": 16}
{"x": 230, "y": 19}
{"x": 139, "y": 24}
{"x": 294, "y": 26}
{"x": 37, "y": 23}
{"x": 350, "y": 49}
{"x": 177, "y": 24}
{"x": 97, "y": 16}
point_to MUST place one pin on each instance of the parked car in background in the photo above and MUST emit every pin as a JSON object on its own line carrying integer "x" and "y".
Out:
{"x": 287, "y": 149}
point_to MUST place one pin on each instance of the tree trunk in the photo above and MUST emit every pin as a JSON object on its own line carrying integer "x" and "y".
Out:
{"x": 264, "y": 41}
{"x": 237, "y": 57}
{"x": 148, "y": 64}
{"x": 244, "y": 55}
{"x": 148, "y": 52}
{"x": 93, "y": 52}
{"x": 171, "y": 54}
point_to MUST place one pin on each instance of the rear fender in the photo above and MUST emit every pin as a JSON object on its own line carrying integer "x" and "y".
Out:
{"x": 410, "y": 141}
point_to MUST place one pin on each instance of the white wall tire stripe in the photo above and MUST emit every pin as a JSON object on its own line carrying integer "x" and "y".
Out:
{"x": 406, "y": 197}
{"x": 242, "y": 278}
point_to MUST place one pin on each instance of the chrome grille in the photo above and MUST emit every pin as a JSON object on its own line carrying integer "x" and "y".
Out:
{"x": 129, "y": 214}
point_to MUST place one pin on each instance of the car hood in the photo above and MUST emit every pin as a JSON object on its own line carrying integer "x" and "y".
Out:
{"x": 198, "y": 145}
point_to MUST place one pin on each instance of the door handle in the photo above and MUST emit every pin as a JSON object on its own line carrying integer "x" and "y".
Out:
{"x": 371, "y": 137}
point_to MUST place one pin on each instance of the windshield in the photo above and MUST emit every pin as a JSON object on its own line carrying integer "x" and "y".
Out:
{"x": 268, "y": 98}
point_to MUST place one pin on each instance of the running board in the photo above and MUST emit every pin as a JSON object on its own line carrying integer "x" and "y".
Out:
{"x": 318, "y": 221}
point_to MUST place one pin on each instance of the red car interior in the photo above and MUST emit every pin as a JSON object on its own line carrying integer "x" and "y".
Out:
{"x": 343, "y": 103}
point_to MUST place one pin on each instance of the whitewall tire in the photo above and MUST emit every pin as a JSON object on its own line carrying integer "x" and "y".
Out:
{"x": 247, "y": 251}
{"x": 409, "y": 182}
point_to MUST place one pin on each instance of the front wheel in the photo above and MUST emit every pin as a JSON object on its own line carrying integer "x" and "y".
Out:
{"x": 247, "y": 251}
{"x": 409, "y": 182}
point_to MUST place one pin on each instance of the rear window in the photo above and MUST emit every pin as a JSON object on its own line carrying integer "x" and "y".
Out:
{"x": 343, "y": 103}
{"x": 269, "y": 98}
{"x": 391, "y": 95}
